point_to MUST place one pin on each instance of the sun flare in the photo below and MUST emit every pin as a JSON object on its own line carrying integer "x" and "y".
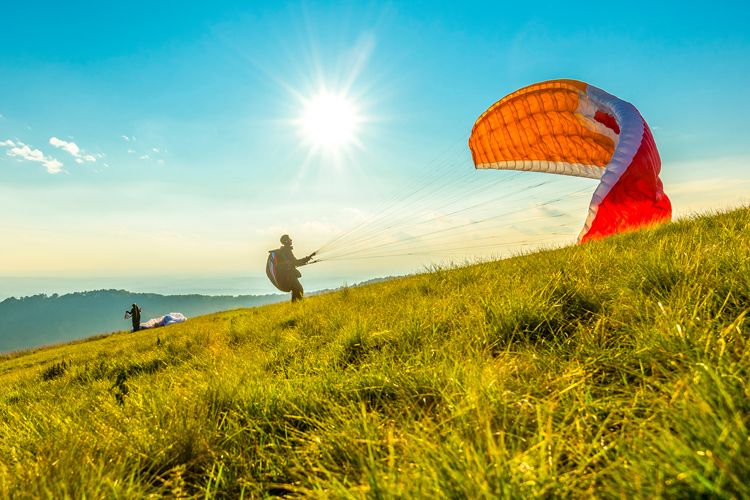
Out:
{"x": 329, "y": 120}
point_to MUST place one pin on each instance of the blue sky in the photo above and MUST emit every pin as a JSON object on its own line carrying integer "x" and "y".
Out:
{"x": 189, "y": 159}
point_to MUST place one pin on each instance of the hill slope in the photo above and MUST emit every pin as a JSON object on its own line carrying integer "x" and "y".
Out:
{"x": 616, "y": 369}
{"x": 39, "y": 319}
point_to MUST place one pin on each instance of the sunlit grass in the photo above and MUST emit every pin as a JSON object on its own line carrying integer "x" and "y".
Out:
{"x": 616, "y": 369}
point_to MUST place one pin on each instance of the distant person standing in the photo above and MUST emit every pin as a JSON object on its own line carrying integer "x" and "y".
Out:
{"x": 135, "y": 315}
{"x": 291, "y": 263}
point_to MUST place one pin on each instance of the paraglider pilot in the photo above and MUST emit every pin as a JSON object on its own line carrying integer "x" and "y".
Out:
{"x": 135, "y": 314}
{"x": 291, "y": 264}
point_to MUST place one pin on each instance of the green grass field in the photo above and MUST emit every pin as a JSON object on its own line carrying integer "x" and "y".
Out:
{"x": 616, "y": 369}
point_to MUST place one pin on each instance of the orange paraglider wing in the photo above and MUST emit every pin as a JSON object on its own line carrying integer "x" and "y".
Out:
{"x": 568, "y": 127}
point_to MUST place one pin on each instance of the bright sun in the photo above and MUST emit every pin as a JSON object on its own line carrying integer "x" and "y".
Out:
{"x": 329, "y": 120}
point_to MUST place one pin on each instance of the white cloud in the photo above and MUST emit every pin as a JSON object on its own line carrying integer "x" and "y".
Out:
{"x": 53, "y": 166}
{"x": 126, "y": 137}
{"x": 131, "y": 151}
{"x": 7, "y": 143}
{"x": 105, "y": 164}
{"x": 144, "y": 157}
{"x": 25, "y": 152}
{"x": 160, "y": 161}
{"x": 133, "y": 138}
{"x": 156, "y": 150}
{"x": 73, "y": 149}
{"x": 70, "y": 147}
{"x": 706, "y": 185}
{"x": 706, "y": 195}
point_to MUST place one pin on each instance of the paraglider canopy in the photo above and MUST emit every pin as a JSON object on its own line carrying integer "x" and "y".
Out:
{"x": 569, "y": 127}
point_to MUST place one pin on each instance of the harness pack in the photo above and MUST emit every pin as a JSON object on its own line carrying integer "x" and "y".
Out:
{"x": 278, "y": 271}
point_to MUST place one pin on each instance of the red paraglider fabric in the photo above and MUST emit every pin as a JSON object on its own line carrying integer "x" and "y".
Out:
{"x": 637, "y": 199}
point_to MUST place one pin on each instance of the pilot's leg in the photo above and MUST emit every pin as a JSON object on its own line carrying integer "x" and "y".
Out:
{"x": 297, "y": 290}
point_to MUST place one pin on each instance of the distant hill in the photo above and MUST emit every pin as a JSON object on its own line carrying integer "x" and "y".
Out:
{"x": 355, "y": 285}
{"x": 40, "y": 319}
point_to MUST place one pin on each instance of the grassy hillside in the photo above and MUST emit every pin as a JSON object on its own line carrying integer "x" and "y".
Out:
{"x": 617, "y": 369}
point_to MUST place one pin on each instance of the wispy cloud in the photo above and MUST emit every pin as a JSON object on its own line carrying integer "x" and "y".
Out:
{"x": 70, "y": 147}
{"x": 156, "y": 150}
{"x": 126, "y": 137}
{"x": 52, "y": 165}
{"x": 144, "y": 157}
{"x": 7, "y": 143}
{"x": 707, "y": 194}
{"x": 131, "y": 151}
